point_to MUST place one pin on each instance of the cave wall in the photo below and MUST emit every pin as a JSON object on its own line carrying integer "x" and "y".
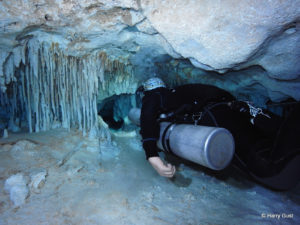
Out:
{"x": 58, "y": 59}
{"x": 47, "y": 89}
{"x": 220, "y": 35}
{"x": 252, "y": 84}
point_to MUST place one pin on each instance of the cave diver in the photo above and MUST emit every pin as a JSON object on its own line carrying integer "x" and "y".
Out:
{"x": 267, "y": 146}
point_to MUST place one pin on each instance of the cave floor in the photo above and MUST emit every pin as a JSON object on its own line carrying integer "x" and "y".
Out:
{"x": 116, "y": 185}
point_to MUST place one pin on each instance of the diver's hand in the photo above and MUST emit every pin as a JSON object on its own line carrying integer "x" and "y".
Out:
{"x": 163, "y": 170}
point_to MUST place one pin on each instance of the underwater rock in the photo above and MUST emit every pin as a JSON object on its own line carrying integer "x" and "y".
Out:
{"x": 23, "y": 150}
{"x": 109, "y": 150}
{"x": 59, "y": 59}
{"x": 223, "y": 34}
{"x": 37, "y": 181}
{"x": 148, "y": 196}
{"x": 72, "y": 170}
{"x": 16, "y": 186}
{"x": 52, "y": 89}
{"x": 218, "y": 35}
{"x": 23, "y": 145}
{"x": 12, "y": 125}
{"x": 5, "y": 148}
{"x": 5, "y": 133}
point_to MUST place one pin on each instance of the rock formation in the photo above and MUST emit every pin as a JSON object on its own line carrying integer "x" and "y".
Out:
{"x": 58, "y": 59}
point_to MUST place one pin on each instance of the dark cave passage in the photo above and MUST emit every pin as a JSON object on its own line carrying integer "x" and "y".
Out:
{"x": 114, "y": 110}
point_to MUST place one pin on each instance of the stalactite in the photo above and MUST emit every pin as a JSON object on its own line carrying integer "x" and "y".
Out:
{"x": 118, "y": 78}
{"x": 51, "y": 89}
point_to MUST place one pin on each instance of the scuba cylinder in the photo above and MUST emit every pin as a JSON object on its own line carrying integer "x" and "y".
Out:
{"x": 212, "y": 147}
{"x": 134, "y": 116}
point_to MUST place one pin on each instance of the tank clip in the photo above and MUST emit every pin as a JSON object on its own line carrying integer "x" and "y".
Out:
{"x": 197, "y": 117}
{"x": 255, "y": 111}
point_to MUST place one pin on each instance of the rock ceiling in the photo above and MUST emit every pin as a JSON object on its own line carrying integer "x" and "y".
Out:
{"x": 218, "y": 36}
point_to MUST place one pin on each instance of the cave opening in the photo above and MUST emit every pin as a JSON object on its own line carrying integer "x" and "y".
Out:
{"x": 107, "y": 113}
{"x": 114, "y": 110}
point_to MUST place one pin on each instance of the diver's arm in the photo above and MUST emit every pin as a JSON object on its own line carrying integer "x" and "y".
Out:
{"x": 149, "y": 125}
{"x": 150, "y": 134}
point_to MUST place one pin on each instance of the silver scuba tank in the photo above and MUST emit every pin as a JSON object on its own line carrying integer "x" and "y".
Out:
{"x": 134, "y": 116}
{"x": 212, "y": 147}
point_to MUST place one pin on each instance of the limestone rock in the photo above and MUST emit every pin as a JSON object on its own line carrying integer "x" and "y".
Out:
{"x": 99, "y": 42}
{"x": 23, "y": 150}
{"x": 37, "y": 181}
{"x": 16, "y": 186}
{"x": 72, "y": 170}
{"x": 13, "y": 126}
{"x": 5, "y": 133}
{"x": 219, "y": 35}
{"x": 281, "y": 57}
{"x": 5, "y": 148}
{"x": 23, "y": 145}
{"x": 214, "y": 35}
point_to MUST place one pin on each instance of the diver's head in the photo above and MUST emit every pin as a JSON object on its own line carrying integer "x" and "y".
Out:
{"x": 153, "y": 83}
{"x": 150, "y": 84}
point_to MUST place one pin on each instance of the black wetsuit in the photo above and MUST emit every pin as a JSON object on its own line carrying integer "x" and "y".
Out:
{"x": 162, "y": 100}
{"x": 268, "y": 138}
